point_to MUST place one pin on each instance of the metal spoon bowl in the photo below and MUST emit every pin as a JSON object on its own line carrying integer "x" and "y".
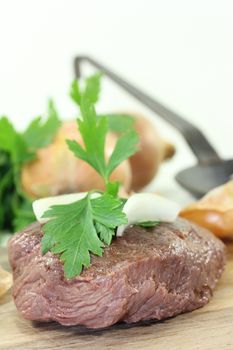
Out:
{"x": 210, "y": 171}
{"x": 201, "y": 178}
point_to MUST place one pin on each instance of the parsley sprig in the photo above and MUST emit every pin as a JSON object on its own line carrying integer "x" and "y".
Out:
{"x": 81, "y": 227}
{"x": 16, "y": 149}
{"x": 94, "y": 131}
{"x": 75, "y": 230}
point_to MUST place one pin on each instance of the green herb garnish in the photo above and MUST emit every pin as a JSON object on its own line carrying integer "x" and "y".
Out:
{"x": 16, "y": 149}
{"x": 149, "y": 223}
{"x": 120, "y": 123}
{"x": 85, "y": 226}
{"x": 80, "y": 228}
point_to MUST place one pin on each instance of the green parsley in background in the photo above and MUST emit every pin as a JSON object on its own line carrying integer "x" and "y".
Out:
{"x": 17, "y": 148}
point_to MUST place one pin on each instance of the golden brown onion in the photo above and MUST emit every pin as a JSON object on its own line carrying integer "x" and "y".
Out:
{"x": 153, "y": 150}
{"x": 214, "y": 211}
{"x": 56, "y": 170}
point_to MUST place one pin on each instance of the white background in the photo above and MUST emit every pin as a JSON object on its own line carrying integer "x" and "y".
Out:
{"x": 179, "y": 51}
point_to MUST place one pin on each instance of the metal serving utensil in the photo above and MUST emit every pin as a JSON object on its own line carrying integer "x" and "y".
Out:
{"x": 210, "y": 171}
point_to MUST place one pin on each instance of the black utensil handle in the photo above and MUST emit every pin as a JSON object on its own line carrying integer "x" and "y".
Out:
{"x": 199, "y": 144}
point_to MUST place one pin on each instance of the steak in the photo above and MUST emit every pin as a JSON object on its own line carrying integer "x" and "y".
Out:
{"x": 151, "y": 273}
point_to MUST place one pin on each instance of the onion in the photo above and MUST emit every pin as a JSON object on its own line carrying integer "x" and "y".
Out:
{"x": 153, "y": 150}
{"x": 40, "y": 206}
{"x": 56, "y": 170}
{"x": 214, "y": 211}
{"x": 142, "y": 207}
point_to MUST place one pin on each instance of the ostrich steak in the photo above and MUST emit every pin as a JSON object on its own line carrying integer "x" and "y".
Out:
{"x": 149, "y": 273}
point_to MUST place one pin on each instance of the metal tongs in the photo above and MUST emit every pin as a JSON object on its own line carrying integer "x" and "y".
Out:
{"x": 210, "y": 170}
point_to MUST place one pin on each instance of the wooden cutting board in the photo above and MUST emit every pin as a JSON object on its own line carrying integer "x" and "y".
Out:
{"x": 209, "y": 328}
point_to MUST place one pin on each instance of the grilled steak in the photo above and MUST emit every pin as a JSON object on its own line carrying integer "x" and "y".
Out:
{"x": 146, "y": 274}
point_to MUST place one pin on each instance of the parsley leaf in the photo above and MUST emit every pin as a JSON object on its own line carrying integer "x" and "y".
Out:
{"x": 16, "y": 149}
{"x": 75, "y": 93}
{"x": 104, "y": 232}
{"x": 113, "y": 188}
{"x": 81, "y": 227}
{"x": 13, "y": 153}
{"x": 148, "y": 223}
{"x": 6, "y": 189}
{"x": 40, "y": 134}
{"x": 13, "y": 143}
{"x": 125, "y": 147}
{"x": 7, "y": 135}
{"x": 23, "y": 214}
{"x": 119, "y": 123}
{"x": 91, "y": 89}
{"x": 93, "y": 130}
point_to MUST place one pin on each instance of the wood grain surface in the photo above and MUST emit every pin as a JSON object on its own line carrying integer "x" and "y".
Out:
{"x": 209, "y": 328}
